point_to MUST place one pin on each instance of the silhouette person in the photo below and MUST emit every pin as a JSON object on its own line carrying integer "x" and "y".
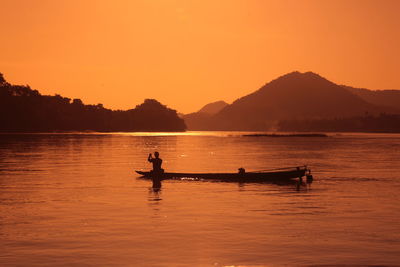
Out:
{"x": 157, "y": 170}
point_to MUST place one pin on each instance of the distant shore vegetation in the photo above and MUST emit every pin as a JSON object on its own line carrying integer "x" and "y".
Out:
{"x": 23, "y": 109}
{"x": 295, "y": 102}
{"x": 382, "y": 123}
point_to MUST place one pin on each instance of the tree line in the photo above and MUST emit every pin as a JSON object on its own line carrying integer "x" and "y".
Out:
{"x": 23, "y": 109}
{"x": 382, "y": 123}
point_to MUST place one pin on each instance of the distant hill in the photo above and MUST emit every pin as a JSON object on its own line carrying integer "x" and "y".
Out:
{"x": 25, "y": 110}
{"x": 388, "y": 98}
{"x": 213, "y": 108}
{"x": 293, "y": 96}
{"x": 200, "y": 120}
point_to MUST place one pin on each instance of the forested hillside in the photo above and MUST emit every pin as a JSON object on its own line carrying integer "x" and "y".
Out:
{"x": 25, "y": 110}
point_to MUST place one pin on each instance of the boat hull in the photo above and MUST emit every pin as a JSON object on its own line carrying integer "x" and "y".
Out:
{"x": 248, "y": 176}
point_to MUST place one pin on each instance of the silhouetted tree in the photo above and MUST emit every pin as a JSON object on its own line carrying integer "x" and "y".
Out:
{"x": 2, "y": 80}
{"x": 77, "y": 102}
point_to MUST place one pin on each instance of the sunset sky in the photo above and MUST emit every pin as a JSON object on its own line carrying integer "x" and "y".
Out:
{"x": 188, "y": 53}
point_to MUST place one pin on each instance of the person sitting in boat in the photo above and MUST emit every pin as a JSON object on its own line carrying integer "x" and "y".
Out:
{"x": 157, "y": 162}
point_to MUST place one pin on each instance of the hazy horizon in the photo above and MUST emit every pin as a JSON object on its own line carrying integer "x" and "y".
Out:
{"x": 187, "y": 54}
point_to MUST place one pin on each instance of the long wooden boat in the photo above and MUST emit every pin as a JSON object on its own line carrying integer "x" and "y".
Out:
{"x": 273, "y": 175}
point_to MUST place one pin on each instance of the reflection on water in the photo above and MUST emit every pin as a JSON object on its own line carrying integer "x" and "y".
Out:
{"x": 155, "y": 194}
{"x": 73, "y": 199}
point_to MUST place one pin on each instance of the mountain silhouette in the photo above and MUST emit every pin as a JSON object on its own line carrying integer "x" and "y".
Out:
{"x": 201, "y": 119}
{"x": 292, "y": 96}
{"x": 213, "y": 108}
{"x": 386, "y": 98}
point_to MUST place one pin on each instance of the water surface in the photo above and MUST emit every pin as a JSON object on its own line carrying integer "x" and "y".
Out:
{"x": 73, "y": 199}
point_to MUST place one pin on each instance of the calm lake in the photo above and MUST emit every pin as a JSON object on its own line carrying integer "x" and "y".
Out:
{"x": 74, "y": 199}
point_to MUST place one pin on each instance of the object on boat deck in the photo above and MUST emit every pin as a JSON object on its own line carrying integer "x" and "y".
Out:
{"x": 309, "y": 176}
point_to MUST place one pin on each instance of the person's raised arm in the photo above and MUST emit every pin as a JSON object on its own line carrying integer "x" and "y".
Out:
{"x": 150, "y": 158}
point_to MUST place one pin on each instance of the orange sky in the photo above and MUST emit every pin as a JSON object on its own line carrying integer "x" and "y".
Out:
{"x": 189, "y": 53}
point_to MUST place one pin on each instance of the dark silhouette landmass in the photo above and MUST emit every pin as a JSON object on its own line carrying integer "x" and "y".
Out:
{"x": 382, "y": 123}
{"x": 213, "y": 108}
{"x": 290, "y": 98}
{"x": 388, "y": 98}
{"x": 293, "y": 102}
{"x": 200, "y": 119}
{"x": 25, "y": 110}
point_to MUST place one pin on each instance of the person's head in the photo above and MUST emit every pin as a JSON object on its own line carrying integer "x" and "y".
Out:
{"x": 156, "y": 154}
